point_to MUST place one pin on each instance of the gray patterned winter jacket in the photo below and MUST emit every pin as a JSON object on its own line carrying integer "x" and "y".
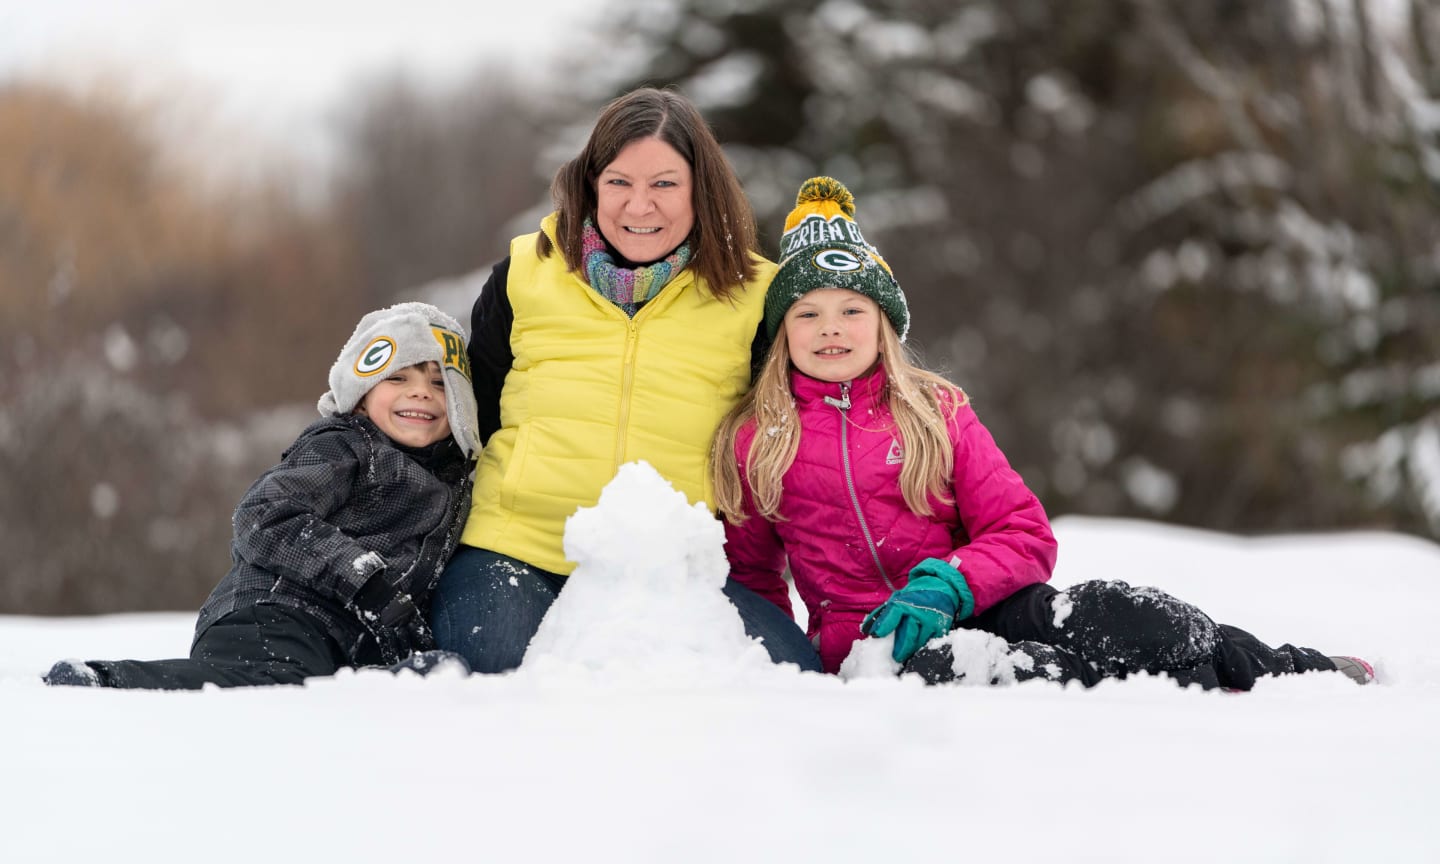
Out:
{"x": 345, "y": 505}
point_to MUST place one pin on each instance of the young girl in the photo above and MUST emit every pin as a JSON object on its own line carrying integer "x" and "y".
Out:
{"x": 897, "y": 512}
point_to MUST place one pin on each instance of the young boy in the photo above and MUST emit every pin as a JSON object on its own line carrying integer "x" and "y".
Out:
{"x": 338, "y": 547}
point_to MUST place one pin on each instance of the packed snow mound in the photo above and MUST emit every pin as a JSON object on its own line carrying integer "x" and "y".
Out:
{"x": 645, "y": 595}
{"x": 870, "y": 658}
{"x": 979, "y": 659}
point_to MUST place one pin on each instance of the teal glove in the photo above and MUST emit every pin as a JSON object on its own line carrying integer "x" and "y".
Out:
{"x": 936, "y": 597}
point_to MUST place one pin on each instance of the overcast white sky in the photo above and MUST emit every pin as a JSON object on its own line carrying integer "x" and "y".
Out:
{"x": 280, "y": 65}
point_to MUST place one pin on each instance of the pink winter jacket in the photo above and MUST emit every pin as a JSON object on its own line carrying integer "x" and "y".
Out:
{"x": 848, "y": 467}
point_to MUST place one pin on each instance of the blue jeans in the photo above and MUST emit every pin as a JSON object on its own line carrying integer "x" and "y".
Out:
{"x": 488, "y": 607}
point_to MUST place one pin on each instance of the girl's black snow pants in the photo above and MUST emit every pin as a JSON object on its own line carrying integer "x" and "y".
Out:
{"x": 1100, "y": 629}
{"x": 258, "y": 645}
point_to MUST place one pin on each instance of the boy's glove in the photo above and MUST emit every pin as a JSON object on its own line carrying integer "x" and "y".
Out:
{"x": 936, "y": 597}
{"x": 381, "y": 604}
{"x": 392, "y": 618}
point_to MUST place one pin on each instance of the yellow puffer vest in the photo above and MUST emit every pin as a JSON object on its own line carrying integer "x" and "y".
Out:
{"x": 591, "y": 389}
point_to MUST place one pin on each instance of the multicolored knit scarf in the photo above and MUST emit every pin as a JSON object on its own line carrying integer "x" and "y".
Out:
{"x": 626, "y": 288}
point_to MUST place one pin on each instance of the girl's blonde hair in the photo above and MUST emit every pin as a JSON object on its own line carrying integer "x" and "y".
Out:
{"x": 921, "y": 403}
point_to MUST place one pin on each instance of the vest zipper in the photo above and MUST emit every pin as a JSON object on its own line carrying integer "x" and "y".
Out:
{"x": 627, "y": 381}
{"x": 627, "y": 374}
{"x": 843, "y": 406}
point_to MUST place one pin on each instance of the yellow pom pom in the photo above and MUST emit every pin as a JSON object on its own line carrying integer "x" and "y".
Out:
{"x": 818, "y": 189}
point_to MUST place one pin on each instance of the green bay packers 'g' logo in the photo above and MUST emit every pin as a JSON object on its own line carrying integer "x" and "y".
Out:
{"x": 836, "y": 261}
{"x": 376, "y": 356}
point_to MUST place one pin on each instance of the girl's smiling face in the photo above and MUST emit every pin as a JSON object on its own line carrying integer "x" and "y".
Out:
{"x": 833, "y": 334}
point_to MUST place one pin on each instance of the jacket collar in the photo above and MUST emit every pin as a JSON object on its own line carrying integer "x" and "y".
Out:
{"x": 442, "y": 458}
{"x": 667, "y": 294}
{"x": 865, "y": 391}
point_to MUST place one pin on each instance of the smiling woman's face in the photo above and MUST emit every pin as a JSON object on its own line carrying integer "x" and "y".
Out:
{"x": 643, "y": 200}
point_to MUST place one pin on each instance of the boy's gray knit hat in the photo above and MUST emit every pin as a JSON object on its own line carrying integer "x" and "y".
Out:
{"x": 399, "y": 336}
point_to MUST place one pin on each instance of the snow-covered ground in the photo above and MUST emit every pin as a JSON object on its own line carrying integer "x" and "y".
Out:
{"x": 644, "y": 727}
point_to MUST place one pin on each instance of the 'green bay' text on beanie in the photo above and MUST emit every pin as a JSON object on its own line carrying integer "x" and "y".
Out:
{"x": 396, "y": 337}
{"x": 822, "y": 247}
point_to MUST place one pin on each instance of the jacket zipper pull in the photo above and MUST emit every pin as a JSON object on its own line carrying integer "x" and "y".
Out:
{"x": 843, "y": 403}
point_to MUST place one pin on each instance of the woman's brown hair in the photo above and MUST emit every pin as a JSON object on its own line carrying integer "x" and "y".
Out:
{"x": 723, "y": 246}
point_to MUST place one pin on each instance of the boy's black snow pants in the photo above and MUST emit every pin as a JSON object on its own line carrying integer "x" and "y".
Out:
{"x": 1102, "y": 629}
{"x": 258, "y": 645}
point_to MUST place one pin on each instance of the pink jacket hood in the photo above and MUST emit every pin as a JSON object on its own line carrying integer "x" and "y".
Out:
{"x": 849, "y": 537}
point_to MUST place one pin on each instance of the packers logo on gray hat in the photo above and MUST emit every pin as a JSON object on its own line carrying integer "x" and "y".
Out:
{"x": 394, "y": 338}
{"x": 822, "y": 247}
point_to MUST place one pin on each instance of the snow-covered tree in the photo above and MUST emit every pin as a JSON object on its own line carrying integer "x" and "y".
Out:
{"x": 1181, "y": 255}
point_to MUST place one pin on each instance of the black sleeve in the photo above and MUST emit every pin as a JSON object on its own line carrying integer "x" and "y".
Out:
{"x": 283, "y": 524}
{"x": 490, "y": 354}
{"x": 758, "y": 349}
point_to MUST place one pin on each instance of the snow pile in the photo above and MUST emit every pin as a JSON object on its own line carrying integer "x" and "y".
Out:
{"x": 645, "y": 596}
{"x": 978, "y": 658}
{"x": 870, "y": 658}
{"x": 982, "y": 658}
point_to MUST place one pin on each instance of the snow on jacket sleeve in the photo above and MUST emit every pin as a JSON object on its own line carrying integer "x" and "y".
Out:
{"x": 281, "y": 524}
{"x": 1010, "y": 544}
{"x": 757, "y": 557}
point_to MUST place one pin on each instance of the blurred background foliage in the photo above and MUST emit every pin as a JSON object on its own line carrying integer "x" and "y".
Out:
{"x": 1185, "y": 257}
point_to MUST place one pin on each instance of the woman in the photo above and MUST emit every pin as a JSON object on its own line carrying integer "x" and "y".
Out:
{"x": 622, "y": 330}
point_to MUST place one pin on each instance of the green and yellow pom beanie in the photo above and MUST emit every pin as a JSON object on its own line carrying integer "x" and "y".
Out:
{"x": 822, "y": 247}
